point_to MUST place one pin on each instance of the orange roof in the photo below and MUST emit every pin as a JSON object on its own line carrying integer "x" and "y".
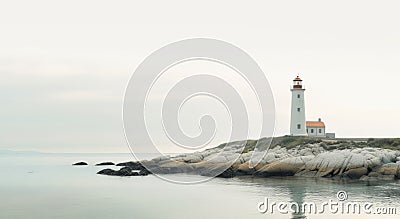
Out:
{"x": 315, "y": 124}
{"x": 297, "y": 79}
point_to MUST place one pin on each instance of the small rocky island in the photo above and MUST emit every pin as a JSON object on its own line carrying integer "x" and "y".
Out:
{"x": 81, "y": 163}
{"x": 105, "y": 164}
{"x": 357, "y": 159}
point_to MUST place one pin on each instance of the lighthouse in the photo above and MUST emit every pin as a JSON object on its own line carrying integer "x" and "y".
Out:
{"x": 298, "y": 113}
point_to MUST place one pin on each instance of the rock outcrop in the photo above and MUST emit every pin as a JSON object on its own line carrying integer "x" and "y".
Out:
{"x": 80, "y": 164}
{"x": 288, "y": 156}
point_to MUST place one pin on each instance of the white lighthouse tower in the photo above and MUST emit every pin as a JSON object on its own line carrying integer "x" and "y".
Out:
{"x": 298, "y": 114}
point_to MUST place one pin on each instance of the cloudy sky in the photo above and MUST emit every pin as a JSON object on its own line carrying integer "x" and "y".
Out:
{"x": 64, "y": 66}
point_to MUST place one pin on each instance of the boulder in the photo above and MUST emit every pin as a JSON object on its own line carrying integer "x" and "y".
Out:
{"x": 392, "y": 169}
{"x": 356, "y": 173}
{"x": 278, "y": 169}
{"x": 389, "y": 169}
{"x": 285, "y": 167}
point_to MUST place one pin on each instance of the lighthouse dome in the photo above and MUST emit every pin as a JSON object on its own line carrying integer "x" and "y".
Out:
{"x": 297, "y": 79}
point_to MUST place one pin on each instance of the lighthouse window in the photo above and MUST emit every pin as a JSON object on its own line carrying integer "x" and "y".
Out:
{"x": 298, "y": 95}
{"x": 298, "y": 126}
{"x": 298, "y": 109}
{"x": 312, "y": 130}
{"x": 320, "y": 130}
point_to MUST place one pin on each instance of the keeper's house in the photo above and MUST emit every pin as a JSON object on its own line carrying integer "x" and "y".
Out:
{"x": 315, "y": 128}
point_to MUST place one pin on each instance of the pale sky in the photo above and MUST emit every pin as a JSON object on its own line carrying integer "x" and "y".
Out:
{"x": 64, "y": 66}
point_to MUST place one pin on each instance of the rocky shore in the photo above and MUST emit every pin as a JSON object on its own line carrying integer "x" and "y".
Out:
{"x": 367, "y": 160}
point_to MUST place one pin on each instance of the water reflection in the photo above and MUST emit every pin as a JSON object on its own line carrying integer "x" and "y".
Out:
{"x": 318, "y": 190}
{"x": 297, "y": 196}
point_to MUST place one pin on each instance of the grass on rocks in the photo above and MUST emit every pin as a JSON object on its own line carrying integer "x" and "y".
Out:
{"x": 328, "y": 144}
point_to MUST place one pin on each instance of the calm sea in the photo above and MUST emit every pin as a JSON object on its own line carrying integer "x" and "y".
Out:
{"x": 48, "y": 186}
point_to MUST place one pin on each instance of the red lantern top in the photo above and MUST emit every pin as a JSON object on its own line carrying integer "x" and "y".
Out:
{"x": 297, "y": 83}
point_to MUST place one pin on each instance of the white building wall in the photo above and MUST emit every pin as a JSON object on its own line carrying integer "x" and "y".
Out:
{"x": 313, "y": 131}
{"x": 298, "y": 113}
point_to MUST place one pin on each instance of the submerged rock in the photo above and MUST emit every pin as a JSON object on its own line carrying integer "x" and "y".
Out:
{"x": 124, "y": 171}
{"x": 105, "y": 164}
{"x": 80, "y": 163}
